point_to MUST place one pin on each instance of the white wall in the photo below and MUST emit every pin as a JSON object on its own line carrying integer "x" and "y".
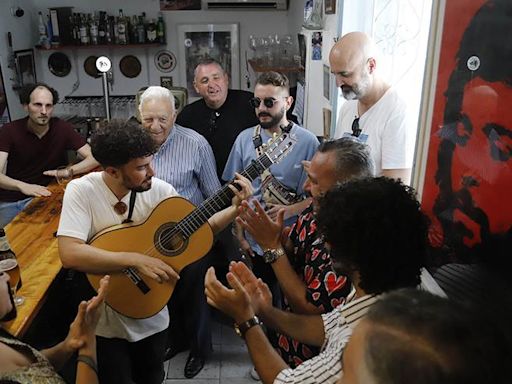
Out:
{"x": 260, "y": 23}
{"x": 22, "y": 39}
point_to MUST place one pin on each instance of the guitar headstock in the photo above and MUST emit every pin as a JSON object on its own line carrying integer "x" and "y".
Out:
{"x": 279, "y": 146}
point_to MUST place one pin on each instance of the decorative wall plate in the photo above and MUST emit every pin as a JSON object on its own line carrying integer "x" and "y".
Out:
{"x": 90, "y": 67}
{"x": 59, "y": 64}
{"x": 165, "y": 61}
{"x": 130, "y": 66}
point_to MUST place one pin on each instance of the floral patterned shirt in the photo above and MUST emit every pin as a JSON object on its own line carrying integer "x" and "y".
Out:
{"x": 324, "y": 288}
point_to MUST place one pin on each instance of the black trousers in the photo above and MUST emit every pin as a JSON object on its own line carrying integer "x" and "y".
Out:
{"x": 190, "y": 326}
{"x": 123, "y": 362}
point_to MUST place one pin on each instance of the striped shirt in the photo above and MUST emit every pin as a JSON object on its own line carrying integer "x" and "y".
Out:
{"x": 185, "y": 160}
{"x": 338, "y": 326}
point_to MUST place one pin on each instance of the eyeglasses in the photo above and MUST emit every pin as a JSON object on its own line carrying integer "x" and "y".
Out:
{"x": 356, "y": 131}
{"x": 267, "y": 102}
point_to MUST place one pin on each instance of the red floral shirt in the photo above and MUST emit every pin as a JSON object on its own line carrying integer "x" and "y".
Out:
{"x": 324, "y": 288}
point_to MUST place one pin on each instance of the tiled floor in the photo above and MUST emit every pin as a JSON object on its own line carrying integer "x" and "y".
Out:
{"x": 228, "y": 363}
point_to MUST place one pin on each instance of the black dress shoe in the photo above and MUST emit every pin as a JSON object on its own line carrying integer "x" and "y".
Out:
{"x": 193, "y": 366}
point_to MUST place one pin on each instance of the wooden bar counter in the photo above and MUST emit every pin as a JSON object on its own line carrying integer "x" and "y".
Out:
{"x": 32, "y": 237}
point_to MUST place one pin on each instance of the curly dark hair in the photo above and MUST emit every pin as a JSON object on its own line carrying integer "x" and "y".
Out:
{"x": 276, "y": 79}
{"x": 119, "y": 141}
{"x": 416, "y": 337}
{"x": 27, "y": 90}
{"x": 375, "y": 227}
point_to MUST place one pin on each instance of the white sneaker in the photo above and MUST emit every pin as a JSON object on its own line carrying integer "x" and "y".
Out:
{"x": 254, "y": 374}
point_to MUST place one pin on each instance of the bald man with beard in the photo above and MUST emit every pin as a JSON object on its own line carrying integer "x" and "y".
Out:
{"x": 373, "y": 112}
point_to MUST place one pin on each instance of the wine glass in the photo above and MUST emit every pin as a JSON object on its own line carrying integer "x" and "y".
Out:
{"x": 11, "y": 267}
{"x": 63, "y": 175}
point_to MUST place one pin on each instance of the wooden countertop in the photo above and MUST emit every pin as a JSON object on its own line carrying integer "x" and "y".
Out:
{"x": 32, "y": 236}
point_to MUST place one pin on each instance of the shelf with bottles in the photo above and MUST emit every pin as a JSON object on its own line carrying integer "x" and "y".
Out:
{"x": 97, "y": 46}
{"x": 265, "y": 67}
{"x": 100, "y": 30}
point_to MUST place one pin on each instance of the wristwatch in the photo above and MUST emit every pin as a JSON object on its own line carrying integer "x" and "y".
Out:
{"x": 242, "y": 328}
{"x": 271, "y": 255}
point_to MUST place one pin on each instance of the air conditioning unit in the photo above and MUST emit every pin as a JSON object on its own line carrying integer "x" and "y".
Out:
{"x": 281, "y": 5}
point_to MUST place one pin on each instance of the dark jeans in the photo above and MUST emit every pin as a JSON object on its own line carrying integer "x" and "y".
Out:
{"x": 123, "y": 362}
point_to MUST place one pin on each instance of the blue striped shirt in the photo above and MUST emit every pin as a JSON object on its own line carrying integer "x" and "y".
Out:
{"x": 185, "y": 160}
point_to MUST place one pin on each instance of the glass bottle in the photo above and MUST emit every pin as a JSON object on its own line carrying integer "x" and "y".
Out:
{"x": 93, "y": 27}
{"x": 151, "y": 32}
{"x": 84, "y": 31}
{"x": 121, "y": 28}
{"x": 160, "y": 29}
{"x": 141, "y": 31}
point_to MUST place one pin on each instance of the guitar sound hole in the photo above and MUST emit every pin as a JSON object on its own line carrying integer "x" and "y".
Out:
{"x": 170, "y": 241}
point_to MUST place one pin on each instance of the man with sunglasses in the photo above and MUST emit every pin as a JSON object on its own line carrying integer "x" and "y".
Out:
{"x": 373, "y": 112}
{"x": 271, "y": 101}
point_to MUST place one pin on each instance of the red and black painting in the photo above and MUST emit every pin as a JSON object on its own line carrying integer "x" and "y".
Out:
{"x": 468, "y": 180}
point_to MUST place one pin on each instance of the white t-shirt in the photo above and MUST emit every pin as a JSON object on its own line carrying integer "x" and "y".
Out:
{"x": 385, "y": 128}
{"x": 87, "y": 208}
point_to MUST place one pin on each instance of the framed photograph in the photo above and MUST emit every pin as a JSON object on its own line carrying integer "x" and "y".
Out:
{"x": 327, "y": 116}
{"x": 329, "y": 7}
{"x": 198, "y": 41}
{"x": 180, "y": 5}
{"x": 25, "y": 66}
{"x": 4, "y": 108}
{"x": 166, "y": 82}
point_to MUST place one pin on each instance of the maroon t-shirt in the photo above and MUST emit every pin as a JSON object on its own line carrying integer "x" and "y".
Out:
{"x": 29, "y": 155}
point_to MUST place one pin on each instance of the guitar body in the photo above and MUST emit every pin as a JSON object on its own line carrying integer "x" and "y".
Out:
{"x": 154, "y": 238}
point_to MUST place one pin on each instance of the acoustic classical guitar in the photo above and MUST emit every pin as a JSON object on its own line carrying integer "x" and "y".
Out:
{"x": 176, "y": 232}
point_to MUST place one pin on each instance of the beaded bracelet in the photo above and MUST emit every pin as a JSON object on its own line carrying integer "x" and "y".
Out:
{"x": 89, "y": 361}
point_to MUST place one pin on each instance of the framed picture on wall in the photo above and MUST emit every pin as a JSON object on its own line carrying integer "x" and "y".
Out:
{"x": 180, "y": 5}
{"x": 25, "y": 66}
{"x": 4, "y": 108}
{"x": 200, "y": 41}
{"x": 329, "y": 7}
{"x": 166, "y": 82}
{"x": 327, "y": 82}
{"x": 466, "y": 129}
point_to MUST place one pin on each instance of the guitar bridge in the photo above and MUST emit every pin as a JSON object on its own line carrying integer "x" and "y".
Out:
{"x": 137, "y": 280}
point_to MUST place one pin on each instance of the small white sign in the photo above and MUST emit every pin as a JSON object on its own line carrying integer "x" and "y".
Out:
{"x": 103, "y": 64}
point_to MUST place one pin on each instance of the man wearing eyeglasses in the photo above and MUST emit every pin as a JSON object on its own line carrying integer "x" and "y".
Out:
{"x": 373, "y": 112}
{"x": 282, "y": 186}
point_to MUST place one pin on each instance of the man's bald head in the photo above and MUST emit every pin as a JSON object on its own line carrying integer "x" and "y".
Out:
{"x": 353, "y": 63}
{"x": 355, "y": 46}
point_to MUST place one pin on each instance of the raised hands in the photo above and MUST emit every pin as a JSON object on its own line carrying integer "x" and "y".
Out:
{"x": 247, "y": 296}
{"x": 265, "y": 230}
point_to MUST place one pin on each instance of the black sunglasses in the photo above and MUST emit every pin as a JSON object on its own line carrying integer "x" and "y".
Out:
{"x": 356, "y": 131}
{"x": 267, "y": 102}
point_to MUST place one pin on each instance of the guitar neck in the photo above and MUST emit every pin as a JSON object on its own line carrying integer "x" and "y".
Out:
{"x": 222, "y": 199}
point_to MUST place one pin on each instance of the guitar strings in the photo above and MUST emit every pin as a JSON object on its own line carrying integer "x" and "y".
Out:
{"x": 251, "y": 173}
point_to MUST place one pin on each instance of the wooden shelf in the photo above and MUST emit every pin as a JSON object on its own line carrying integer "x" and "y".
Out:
{"x": 261, "y": 68}
{"x": 99, "y": 46}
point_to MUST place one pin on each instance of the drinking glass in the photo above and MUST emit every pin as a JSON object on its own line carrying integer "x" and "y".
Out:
{"x": 11, "y": 267}
{"x": 63, "y": 175}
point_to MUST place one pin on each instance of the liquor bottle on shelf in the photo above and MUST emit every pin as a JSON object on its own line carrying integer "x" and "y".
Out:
{"x": 75, "y": 28}
{"x": 121, "y": 29}
{"x": 102, "y": 28}
{"x": 151, "y": 32}
{"x": 109, "y": 32}
{"x": 141, "y": 30}
{"x": 84, "y": 31}
{"x": 133, "y": 30}
{"x": 93, "y": 27}
{"x": 160, "y": 29}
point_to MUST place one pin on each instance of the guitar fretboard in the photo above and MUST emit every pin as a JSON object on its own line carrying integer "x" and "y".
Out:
{"x": 221, "y": 199}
